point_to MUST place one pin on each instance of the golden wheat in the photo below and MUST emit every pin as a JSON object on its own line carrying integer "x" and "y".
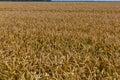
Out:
{"x": 59, "y": 41}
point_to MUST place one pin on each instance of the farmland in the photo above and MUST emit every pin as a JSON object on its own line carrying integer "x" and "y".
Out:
{"x": 59, "y": 41}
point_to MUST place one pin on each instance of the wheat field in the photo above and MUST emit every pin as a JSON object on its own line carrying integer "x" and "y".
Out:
{"x": 59, "y": 41}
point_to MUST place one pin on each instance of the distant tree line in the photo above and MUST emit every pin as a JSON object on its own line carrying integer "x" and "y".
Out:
{"x": 28, "y": 0}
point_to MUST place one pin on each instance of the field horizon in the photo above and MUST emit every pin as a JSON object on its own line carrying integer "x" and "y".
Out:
{"x": 59, "y": 41}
